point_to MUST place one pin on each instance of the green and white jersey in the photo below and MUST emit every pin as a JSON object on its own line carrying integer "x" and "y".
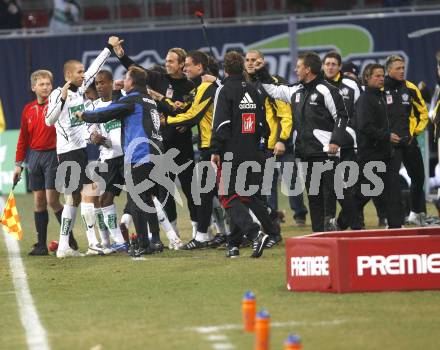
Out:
{"x": 112, "y": 131}
{"x": 71, "y": 132}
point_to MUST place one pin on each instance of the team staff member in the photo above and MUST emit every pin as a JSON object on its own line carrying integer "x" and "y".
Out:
{"x": 238, "y": 128}
{"x": 320, "y": 120}
{"x": 200, "y": 114}
{"x": 375, "y": 144}
{"x": 140, "y": 119}
{"x": 408, "y": 117}
{"x": 332, "y": 65}
{"x": 42, "y": 161}
{"x": 279, "y": 119}
{"x": 175, "y": 87}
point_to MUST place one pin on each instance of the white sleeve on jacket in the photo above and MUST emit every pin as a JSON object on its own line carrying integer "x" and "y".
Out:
{"x": 53, "y": 111}
{"x": 281, "y": 92}
{"x": 95, "y": 67}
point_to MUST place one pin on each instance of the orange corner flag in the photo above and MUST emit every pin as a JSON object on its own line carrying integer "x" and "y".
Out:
{"x": 10, "y": 218}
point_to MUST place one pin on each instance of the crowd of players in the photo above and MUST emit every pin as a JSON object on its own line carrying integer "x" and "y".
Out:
{"x": 330, "y": 117}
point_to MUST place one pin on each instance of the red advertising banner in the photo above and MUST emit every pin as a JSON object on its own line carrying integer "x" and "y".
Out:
{"x": 356, "y": 261}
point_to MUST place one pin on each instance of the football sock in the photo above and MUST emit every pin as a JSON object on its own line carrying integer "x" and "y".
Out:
{"x": 174, "y": 225}
{"x": 110, "y": 221}
{"x": 194, "y": 228}
{"x": 41, "y": 220}
{"x": 163, "y": 220}
{"x": 201, "y": 236}
{"x": 71, "y": 236}
{"x": 102, "y": 228}
{"x": 67, "y": 222}
{"x": 88, "y": 216}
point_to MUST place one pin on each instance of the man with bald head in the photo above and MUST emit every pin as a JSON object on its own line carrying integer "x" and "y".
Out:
{"x": 64, "y": 102}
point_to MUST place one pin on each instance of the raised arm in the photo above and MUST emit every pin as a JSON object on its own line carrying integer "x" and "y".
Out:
{"x": 56, "y": 103}
{"x": 95, "y": 67}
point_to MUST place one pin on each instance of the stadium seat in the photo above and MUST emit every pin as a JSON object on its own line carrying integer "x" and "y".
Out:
{"x": 130, "y": 11}
{"x": 96, "y": 13}
{"x": 35, "y": 18}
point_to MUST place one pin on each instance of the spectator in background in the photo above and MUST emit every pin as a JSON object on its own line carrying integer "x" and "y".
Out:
{"x": 10, "y": 14}
{"x": 65, "y": 13}
{"x": 351, "y": 70}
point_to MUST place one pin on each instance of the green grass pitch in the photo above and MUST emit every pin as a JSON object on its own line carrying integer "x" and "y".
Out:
{"x": 161, "y": 303}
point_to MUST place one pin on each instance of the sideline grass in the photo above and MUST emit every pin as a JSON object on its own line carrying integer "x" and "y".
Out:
{"x": 155, "y": 304}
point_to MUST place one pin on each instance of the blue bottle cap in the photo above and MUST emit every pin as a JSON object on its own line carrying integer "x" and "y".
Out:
{"x": 263, "y": 314}
{"x": 293, "y": 339}
{"x": 249, "y": 295}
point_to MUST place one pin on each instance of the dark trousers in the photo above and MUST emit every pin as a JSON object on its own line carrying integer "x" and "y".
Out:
{"x": 348, "y": 207}
{"x": 142, "y": 219}
{"x": 185, "y": 178}
{"x": 204, "y": 210}
{"x": 237, "y": 208}
{"x": 391, "y": 194}
{"x": 330, "y": 196}
{"x": 412, "y": 159}
{"x": 296, "y": 203}
{"x": 315, "y": 189}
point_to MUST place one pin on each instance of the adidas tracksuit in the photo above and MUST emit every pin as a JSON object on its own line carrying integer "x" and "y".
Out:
{"x": 239, "y": 127}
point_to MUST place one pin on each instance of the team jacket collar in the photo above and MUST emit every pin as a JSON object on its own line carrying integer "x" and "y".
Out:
{"x": 197, "y": 80}
{"x": 336, "y": 80}
{"x": 391, "y": 83}
{"x": 373, "y": 90}
{"x": 312, "y": 84}
{"x": 233, "y": 77}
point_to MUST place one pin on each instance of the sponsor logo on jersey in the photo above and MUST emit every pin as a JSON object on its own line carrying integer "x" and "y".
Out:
{"x": 74, "y": 121}
{"x": 248, "y": 123}
{"x": 247, "y": 103}
{"x": 112, "y": 124}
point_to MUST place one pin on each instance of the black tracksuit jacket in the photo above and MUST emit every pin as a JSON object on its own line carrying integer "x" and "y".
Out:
{"x": 373, "y": 126}
{"x": 350, "y": 93}
{"x": 319, "y": 108}
{"x": 175, "y": 90}
{"x": 239, "y": 124}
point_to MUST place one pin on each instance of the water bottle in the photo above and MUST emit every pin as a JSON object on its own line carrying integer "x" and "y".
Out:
{"x": 262, "y": 330}
{"x": 293, "y": 342}
{"x": 248, "y": 309}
